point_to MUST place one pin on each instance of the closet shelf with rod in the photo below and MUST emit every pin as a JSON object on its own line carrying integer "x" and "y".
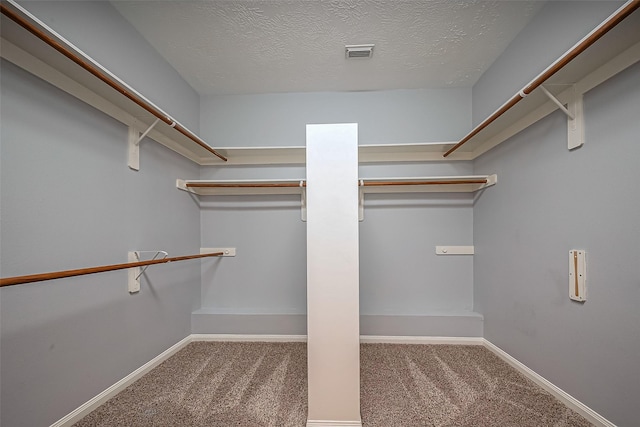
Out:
{"x": 33, "y": 46}
{"x": 608, "y": 49}
{"x": 458, "y": 184}
{"x": 431, "y": 184}
{"x": 367, "y": 153}
{"x": 242, "y": 187}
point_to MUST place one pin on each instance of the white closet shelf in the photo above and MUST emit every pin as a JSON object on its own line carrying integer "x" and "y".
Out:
{"x": 242, "y": 187}
{"x": 367, "y": 153}
{"x": 615, "y": 51}
{"x": 29, "y": 52}
{"x": 618, "y": 49}
{"x": 430, "y": 184}
{"x": 455, "y": 184}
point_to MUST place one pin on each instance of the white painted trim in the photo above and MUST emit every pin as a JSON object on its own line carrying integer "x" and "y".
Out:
{"x": 377, "y": 339}
{"x": 369, "y": 339}
{"x": 92, "y": 404}
{"x": 570, "y": 401}
{"x": 248, "y": 338}
{"x": 326, "y": 423}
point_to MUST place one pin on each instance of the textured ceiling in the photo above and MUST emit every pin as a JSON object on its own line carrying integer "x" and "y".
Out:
{"x": 268, "y": 46}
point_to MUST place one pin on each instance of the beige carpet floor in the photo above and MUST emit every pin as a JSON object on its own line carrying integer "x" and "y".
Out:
{"x": 264, "y": 385}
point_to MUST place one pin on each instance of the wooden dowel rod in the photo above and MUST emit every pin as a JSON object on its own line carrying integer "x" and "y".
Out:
{"x": 443, "y": 182}
{"x": 243, "y": 185}
{"x": 108, "y": 80}
{"x": 304, "y": 184}
{"x": 486, "y": 122}
{"x": 583, "y": 45}
{"x": 18, "y": 280}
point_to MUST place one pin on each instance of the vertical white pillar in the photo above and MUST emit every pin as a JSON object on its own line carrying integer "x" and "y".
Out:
{"x": 333, "y": 276}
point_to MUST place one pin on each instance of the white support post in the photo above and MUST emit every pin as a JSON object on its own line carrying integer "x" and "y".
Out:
{"x": 333, "y": 327}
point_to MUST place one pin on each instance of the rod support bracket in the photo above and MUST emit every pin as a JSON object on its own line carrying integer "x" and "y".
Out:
{"x": 303, "y": 201}
{"x": 134, "y": 138}
{"x": 575, "y": 126}
{"x": 360, "y": 200}
{"x": 135, "y": 273}
{"x": 575, "y": 115}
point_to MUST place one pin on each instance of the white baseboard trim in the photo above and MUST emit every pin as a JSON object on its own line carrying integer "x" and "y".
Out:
{"x": 570, "y": 401}
{"x": 379, "y": 339}
{"x": 248, "y": 338}
{"x": 325, "y": 423}
{"x": 368, "y": 339}
{"x": 92, "y": 404}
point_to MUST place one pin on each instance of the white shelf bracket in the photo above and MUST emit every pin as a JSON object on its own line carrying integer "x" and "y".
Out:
{"x": 136, "y": 272}
{"x": 575, "y": 116}
{"x": 303, "y": 201}
{"x": 575, "y": 131}
{"x": 361, "y": 200}
{"x": 134, "y": 144}
{"x": 558, "y": 103}
{"x": 491, "y": 180}
{"x": 181, "y": 184}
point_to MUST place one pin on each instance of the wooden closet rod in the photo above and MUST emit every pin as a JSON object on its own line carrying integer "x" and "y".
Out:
{"x": 602, "y": 29}
{"x": 95, "y": 71}
{"x": 18, "y": 280}
{"x": 304, "y": 184}
{"x": 244, "y": 185}
{"x": 441, "y": 182}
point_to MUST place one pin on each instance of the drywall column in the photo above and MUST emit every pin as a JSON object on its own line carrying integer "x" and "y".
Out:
{"x": 333, "y": 276}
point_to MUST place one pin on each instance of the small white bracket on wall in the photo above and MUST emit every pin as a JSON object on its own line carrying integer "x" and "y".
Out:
{"x": 136, "y": 272}
{"x": 577, "y": 275}
{"x": 454, "y": 250}
{"x": 134, "y": 144}
{"x": 303, "y": 201}
{"x": 575, "y": 116}
{"x": 575, "y": 133}
{"x": 225, "y": 251}
{"x": 361, "y": 200}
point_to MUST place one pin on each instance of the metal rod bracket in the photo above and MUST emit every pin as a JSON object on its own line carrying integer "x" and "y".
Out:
{"x": 136, "y": 272}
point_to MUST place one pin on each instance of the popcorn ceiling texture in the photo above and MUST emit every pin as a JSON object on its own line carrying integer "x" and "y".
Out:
{"x": 268, "y": 46}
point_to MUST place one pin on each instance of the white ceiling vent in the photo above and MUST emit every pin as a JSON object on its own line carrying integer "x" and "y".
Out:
{"x": 358, "y": 51}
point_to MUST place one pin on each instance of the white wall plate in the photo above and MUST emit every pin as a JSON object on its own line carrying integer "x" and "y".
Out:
{"x": 454, "y": 250}
{"x": 225, "y": 251}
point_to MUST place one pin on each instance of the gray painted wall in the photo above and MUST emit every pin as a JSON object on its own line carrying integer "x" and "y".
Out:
{"x": 68, "y": 200}
{"x": 552, "y": 32}
{"x": 98, "y": 29}
{"x": 400, "y": 273}
{"x": 547, "y": 201}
